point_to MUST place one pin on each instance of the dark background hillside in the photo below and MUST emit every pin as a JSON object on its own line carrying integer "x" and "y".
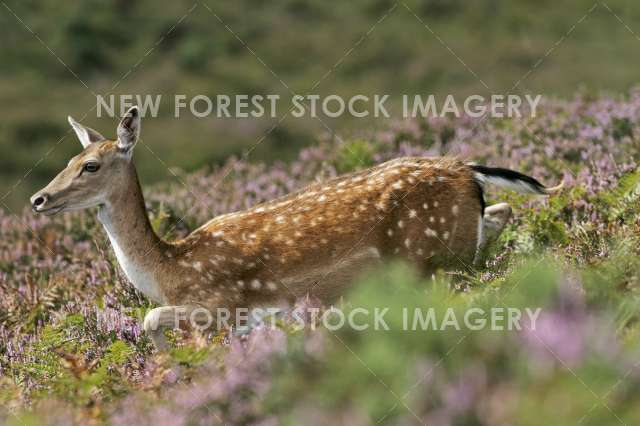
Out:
{"x": 56, "y": 56}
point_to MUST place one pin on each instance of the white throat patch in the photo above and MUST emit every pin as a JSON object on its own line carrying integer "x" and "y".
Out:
{"x": 142, "y": 279}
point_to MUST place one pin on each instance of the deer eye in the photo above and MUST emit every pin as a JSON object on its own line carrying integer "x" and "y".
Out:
{"x": 91, "y": 167}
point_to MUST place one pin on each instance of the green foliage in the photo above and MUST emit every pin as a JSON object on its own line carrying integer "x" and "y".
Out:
{"x": 354, "y": 155}
{"x": 376, "y": 382}
{"x": 62, "y": 366}
{"x": 159, "y": 220}
{"x": 386, "y": 374}
{"x": 622, "y": 127}
{"x": 623, "y": 201}
{"x": 189, "y": 355}
{"x": 141, "y": 48}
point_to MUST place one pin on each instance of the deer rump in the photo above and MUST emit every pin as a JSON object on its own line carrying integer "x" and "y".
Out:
{"x": 428, "y": 211}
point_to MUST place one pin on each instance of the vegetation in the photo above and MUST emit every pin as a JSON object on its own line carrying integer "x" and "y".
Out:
{"x": 56, "y": 58}
{"x": 71, "y": 350}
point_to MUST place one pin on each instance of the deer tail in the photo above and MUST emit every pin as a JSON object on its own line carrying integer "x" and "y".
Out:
{"x": 510, "y": 179}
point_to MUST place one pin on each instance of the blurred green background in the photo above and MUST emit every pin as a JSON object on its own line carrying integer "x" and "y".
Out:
{"x": 49, "y": 52}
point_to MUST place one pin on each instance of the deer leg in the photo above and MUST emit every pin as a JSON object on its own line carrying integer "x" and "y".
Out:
{"x": 494, "y": 220}
{"x": 165, "y": 317}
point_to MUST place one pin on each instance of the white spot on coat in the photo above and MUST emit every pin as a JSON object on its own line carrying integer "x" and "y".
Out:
{"x": 430, "y": 232}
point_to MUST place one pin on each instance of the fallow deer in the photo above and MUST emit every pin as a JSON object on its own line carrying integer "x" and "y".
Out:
{"x": 430, "y": 211}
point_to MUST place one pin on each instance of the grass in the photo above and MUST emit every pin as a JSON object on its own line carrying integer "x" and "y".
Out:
{"x": 175, "y": 51}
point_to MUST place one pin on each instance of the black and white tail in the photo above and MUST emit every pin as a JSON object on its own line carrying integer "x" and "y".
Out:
{"x": 511, "y": 179}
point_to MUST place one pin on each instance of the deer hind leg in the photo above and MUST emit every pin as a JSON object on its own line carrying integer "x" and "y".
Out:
{"x": 493, "y": 222}
{"x": 158, "y": 320}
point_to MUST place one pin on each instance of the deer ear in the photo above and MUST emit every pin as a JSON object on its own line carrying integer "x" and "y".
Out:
{"x": 86, "y": 135}
{"x": 129, "y": 129}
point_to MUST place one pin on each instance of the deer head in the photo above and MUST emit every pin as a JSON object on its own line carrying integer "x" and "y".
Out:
{"x": 94, "y": 176}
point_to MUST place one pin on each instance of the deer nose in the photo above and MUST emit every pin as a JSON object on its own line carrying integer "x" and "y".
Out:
{"x": 38, "y": 201}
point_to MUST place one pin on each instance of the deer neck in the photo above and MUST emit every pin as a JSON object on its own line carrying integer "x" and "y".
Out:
{"x": 138, "y": 249}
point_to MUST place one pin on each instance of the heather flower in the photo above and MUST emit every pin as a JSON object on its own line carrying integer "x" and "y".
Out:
{"x": 60, "y": 286}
